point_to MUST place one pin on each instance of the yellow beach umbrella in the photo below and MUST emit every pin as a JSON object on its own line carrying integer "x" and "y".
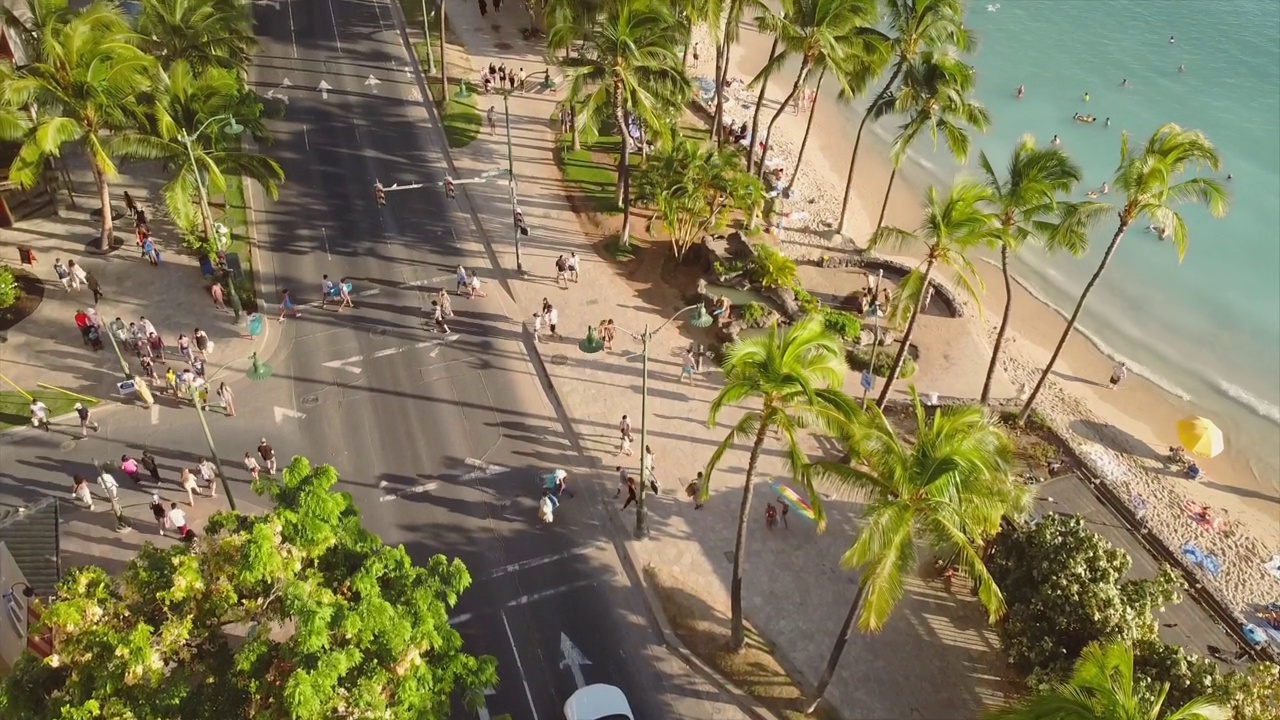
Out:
{"x": 1200, "y": 436}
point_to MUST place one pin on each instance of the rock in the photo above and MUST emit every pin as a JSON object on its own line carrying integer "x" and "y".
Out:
{"x": 786, "y": 297}
{"x": 737, "y": 246}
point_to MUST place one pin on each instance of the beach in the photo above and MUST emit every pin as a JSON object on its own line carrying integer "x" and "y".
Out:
{"x": 1121, "y": 434}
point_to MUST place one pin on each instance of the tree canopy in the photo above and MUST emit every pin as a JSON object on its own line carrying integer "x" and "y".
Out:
{"x": 298, "y": 613}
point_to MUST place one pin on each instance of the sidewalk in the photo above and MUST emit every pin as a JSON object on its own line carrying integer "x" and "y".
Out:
{"x": 46, "y": 347}
{"x": 935, "y": 658}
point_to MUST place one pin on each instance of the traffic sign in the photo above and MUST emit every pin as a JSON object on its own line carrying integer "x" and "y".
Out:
{"x": 868, "y": 381}
{"x": 127, "y": 387}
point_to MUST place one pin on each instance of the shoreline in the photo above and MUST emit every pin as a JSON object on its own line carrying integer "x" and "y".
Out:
{"x": 1121, "y": 433}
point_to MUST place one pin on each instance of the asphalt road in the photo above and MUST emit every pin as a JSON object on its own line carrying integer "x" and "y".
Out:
{"x": 440, "y": 438}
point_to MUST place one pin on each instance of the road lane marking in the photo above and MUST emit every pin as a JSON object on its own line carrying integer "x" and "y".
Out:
{"x": 415, "y": 490}
{"x": 572, "y": 657}
{"x": 282, "y": 413}
{"x": 530, "y": 598}
{"x": 342, "y": 364}
{"x": 427, "y": 281}
{"x": 324, "y": 89}
{"x": 347, "y": 363}
{"x": 535, "y": 562}
{"x": 483, "y": 710}
{"x": 458, "y": 620}
{"x": 519, "y": 667}
{"x": 334, "y": 15}
{"x": 325, "y": 230}
{"x": 362, "y": 293}
{"x": 373, "y": 84}
{"x": 306, "y": 139}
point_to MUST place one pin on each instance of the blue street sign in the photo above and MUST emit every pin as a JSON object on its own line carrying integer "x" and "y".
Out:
{"x": 868, "y": 381}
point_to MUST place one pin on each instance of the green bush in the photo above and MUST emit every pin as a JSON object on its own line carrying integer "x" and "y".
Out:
{"x": 845, "y": 324}
{"x": 771, "y": 268}
{"x": 244, "y": 289}
{"x": 9, "y": 290}
{"x": 860, "y": 359}
{"x": 808, "y": 303}
{"x": 753, "y": 313}
{"x": 727, "y": 269}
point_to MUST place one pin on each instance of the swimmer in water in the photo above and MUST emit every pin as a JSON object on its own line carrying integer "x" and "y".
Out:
{"x": 1182, "y": 68}
{"x": 1229, "y": 176}
{"x": 1022, "y": 89}
{"x": 1086, "y": 97}
{"x": 1091, "y": 194}
{"x": 1124, "y": 82}
{"x": 1055, "y": 141}
{"x": 1105, "y": 189}
{"x": 1108, "y": 122}
{"x": 1170, "y": 39}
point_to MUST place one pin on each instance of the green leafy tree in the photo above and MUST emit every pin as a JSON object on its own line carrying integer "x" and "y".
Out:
{"x": 1103, "y": 687}
{"x": 1253, "y": 693}
{"x": 9, "y": 290}
{"x": 694, "y": 187}
{"x": 83, "y": 77}
{"x": 1183, "y": 676}
{"x": 204, "y": 33}
{"x": 1065, "y": 588}
{"x": 628, "y": 69}
{"x": 947, "y": 488}
{"x": 1028, "y": 206}
{"x": 1148, "y": 180}
{"x": 198, "y": 105}
{"x": 914, "y": 26}
{"x": 935, "y": 95}
{"x": 795, "y": 374}
{"x": 952, "y": 227}
{"x": 298, "y": 613}
{"x": 819, "y": 33}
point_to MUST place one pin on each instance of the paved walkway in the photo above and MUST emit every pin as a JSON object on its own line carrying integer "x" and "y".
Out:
{"x": 934, "y": 658}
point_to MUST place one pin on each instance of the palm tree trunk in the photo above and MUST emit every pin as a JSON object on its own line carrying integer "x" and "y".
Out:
{"x": 842, "y": 639}
{"x": 808, "y": 126}
{"x": 624, "y": 173}
{"x": 573, "y": 125}
{"x": 755, "y": 116}
{"x": 857, "y": 141}
{"x": 1004, "y": 326}
{"x": 905, "y": 340}
{"x": 444, "y": 63}
{"x": 717, "y": 116}
{"x": 884, "y": 207}
{"x": 782, "y": 107}
{"x": 1071, "y": 321}
{"x": 107, "y": 228}
{"x": 737, "y": 625}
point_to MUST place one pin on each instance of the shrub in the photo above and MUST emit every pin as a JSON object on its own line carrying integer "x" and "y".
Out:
{"x": 753, "y": 313}
{"x": 860, "y": 359}
{"x": 845, "y": 324}
{"x": 771, "y": 268}
{"x": 244, "y": 289}
{"x": 727, "y": 269}
{"x": 808, "y": 303}
{"x": 9, "y": 290}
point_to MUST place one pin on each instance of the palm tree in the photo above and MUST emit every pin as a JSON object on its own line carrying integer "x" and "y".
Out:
{"x": 935, "y": 95}
{"x": 952, "y": 226}
{"x": 767, "y": 23}
{"x": 737, "y": 10}
{"x": 186, "y": 103}
{"x": 1147, "y": 178}
{"x": 1102, "y": 687}
{"x": 1028, "y": 208}
{"x": 629, "y": 69}
{"x": 83, "y": 77}
{"x": 915, "y": 26}
{"x": 819, "y": 33}
{"x": 205, "y": 33}
{"x": 796, "y": 375}
{"x": 948, "y": 489}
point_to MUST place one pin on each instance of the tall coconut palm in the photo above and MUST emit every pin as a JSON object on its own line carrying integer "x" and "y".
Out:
{"x": 820, "y": 33}
{"x": 914, "y": 27}
{"x": 949, "y": 489}
{"x": 1028, "y": 206}
{"x": 767, "y": 22}
{"x": 187, "y": 103}
{"x": 204, "y": 33}
{"x": 952, "y": 227}
{"x": 725, "y": 37}
{"x": 628, "y": 69}
{"x": 82, "y": 78}
{"x": 1102, "y": 687}
{"x": 935, "y": 94}
{"x": 1148, "y": 180}
{"x": 796, "y": 375}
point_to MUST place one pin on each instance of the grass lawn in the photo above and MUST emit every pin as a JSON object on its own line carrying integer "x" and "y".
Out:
{"x": 461, "y": 118}
{"x": 592, "y": 171}
{"x": 14, "y": 409}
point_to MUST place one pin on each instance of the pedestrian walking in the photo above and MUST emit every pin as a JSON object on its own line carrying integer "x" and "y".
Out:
{"x": 118, "y": 329}
{"x": 511, "y": 76}
{"x": 565, "y": 118}
{"x": 148, "y": 461}
{"x": 171, "y": 381}
{"x": 538, "y": 322}
{"x": 228, "y": 399}
{"x": 446, "y": 308}
{"x": 81, "y": 319}
{"x": 461, "y": 278}
{"x": 686, "y": 366}
{"x": 520, "y": 77}
{"x": 437, "y": 317}
{"x": 487, "y": 81}
{"x": 178, "y": 519}
{"x": 327, "y": 291}
{"x": 553, "y": 319}
{"x": 188, "y": 483}
{"x": 109, "y": 485}
{"x": 623, "y": 475}
{"x": 694, "y": 490}
{"x": 252, "y": 466}
{"x": 209, "y": 474}
{"x": 140, "y": 219}
{"x": 268, "y": 455}
{"x": 624, "y": 430}
{"x": 85, "y": 421}
{"x": 146, "y": 326}
{"x": 608, "y": 331}
{"x": 344, "y": 294}
{"x": 632, "y": 496}
{"x": 129, "y": 467}
{"x": 95, "y": 287}
{"x": 493, "y": 123}
{"x": 149, "y": 251}
{"x": 159, "y": 511}
{"x": 39, "y": 414}
{"x": 148, "y": 369}
{"x": 502, "y": 75}
{"x": 80, "y": 491}
{"x": 184, "y": 347}
{"x": 1118, "y": 373}
{"x": 286, "y": 305}
{"x": 484, "y": 8}
{"x": 215, "y": 291}
{"x": 78, "y": 275}
{"x": 497, "y": 5}
{"x": 573, "y": 266}
{"x": 473, "y": 286}
{"x": 649, "y": 468}
{"x": 562, "y": 271}
{"x": 129, "y": 204}
{"x": 94, "y": 320}
{"x": 64, "y": 275}
{"x": 203, "y": 346}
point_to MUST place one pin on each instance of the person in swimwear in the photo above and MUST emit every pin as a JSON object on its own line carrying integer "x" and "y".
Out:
{"x": 1022, "y": 90}
{"x": 1055, "y": 141}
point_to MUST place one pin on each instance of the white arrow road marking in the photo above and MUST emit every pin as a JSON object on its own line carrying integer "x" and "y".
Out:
{"x": 572, "y": 657}
{"x": 428, "y": 281}
{"x": 324, "y": 89}
{"x": 347, "y": 363}
{"x": 273, "y": 4}
{"x": 343, "y": 364}
{"x": 282, "y": 413}
{"x": 416, "y": 489}
{"x": 273, "y": 95}
{"x": 483, "y": 469}
{"x": 483, "y": 710}
{"x": 285, "y": 83}
{"x": 373, "y": 83}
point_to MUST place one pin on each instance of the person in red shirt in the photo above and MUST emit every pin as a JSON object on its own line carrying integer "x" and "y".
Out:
{"x": 84, "y": 323}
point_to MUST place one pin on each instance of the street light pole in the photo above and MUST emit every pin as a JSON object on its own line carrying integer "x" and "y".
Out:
{"x": 511, "y": 179}
{"x": 217, "y": 462}
{"x": 876, "y": 312}
{"x": 426, "y": 33}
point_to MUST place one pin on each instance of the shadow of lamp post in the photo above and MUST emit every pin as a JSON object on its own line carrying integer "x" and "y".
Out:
{"x": 592, "y": 344}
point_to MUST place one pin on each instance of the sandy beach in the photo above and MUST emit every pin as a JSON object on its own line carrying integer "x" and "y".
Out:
{"x": 1121, "y": 434}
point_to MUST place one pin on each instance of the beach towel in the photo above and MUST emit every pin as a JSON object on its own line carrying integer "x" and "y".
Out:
{"x": 1254, "y": 634}
{"x": 1193, "y": 554}
{"x": 792, "y": 498}
{"x": 1273, "y": 567}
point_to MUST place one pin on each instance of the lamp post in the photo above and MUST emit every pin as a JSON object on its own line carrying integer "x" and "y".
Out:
{"x": 426, "y": 33}
{"x": 234, "y": 128}
{"x": 28, "y": 593}
{"x": 876, "y": 313}
{"x": 511, "y": 180}
{"x": 208, "y": 437}
{"x": 592, "y": 344}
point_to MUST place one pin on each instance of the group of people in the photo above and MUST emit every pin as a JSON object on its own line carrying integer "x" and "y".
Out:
{"x": 502, "y": 77}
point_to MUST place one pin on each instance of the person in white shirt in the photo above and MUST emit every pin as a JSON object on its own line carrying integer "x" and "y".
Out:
{"x": 209, "y": 474}
{"x": 573, "y": 266}
{"x": 538, "y": 321}
{"x": 109, "y": 485}
{"x": 39, "y": 415}
{"x": 178, "y": 519}
{"x": 553, "y": 319}
{"x": 81, "y": 492}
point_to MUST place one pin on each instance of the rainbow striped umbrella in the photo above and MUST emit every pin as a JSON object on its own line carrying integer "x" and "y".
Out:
{"x": 792, "y": 498}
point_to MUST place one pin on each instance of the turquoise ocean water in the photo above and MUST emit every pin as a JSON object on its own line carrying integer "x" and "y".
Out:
{"x": 1208, "y": 329}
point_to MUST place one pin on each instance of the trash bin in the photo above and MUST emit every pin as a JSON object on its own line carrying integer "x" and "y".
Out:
{"x": 26, "y": 256}
{"x": 206, "y": 266}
